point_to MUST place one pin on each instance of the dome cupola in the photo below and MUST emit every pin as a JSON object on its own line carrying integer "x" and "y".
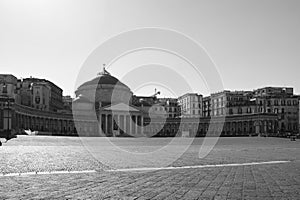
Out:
{"x": 105, "y": 89}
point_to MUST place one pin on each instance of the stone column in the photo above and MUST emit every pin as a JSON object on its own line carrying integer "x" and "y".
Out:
{"x": 30, "y": 122}
{"x": 272, "y": 127}
{"x": 112, "y": 125}
{"x": 132, "y": 125}
{"x": 119, "y": 124}
{"x": 138, "y": 132}
{"x": 128, "y": 119}
{"x": 115, "y": 119}
{"x": 265, "y": 123}
{"x": 137, "y": 125}
{"x": 142, "y": 125}
{"x": 50, "y": 125}
{"x": 124, "y": 124}
{"x": 99, "y": 124}
{"x": 106, "y": 124}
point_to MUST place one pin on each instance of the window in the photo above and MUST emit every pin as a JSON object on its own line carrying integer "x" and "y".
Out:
{"x": 295, "y": 126}
{"x": 288, "y": 102}
{"x": 4, "y": 89}
{"x": 249, "y": 110}
{"x": 283, "y": 102}
{"x": 240, "y": 111}
{"x": 269, "y": 110}
{"x": 289, "y": 126}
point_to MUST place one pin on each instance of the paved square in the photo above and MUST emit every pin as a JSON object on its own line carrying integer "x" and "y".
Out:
{"x": 41, "y": 155}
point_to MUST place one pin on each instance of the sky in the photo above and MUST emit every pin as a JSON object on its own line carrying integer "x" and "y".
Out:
{"x": 252, "y": 43}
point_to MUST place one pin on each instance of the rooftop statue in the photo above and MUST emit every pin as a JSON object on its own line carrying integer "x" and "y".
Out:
{"x": 104, "y": 71}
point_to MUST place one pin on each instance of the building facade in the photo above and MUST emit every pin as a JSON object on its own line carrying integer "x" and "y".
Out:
{"x": 282, "y": 102}
{"x": 104, "y": 106}
{"x": 171, "y": 107}
{"x": 191, "y": 105}
{"x": 25, "y": 90}
{"x": 8, "y": 84}
{"x": 67, "y": 104}
{"x": 41, "y": 93}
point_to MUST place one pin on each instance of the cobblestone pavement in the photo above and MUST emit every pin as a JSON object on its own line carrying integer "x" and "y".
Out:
{"x": 272, "y": 181}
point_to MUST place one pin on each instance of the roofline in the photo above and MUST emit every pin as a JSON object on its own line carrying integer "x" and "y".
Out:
{"x": 187, "y": 94}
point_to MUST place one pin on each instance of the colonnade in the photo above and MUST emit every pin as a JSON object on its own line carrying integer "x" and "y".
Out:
{"x": 121, "y": 124}
{"x": 229, "y": 128}
{"x": 47, "y": 125}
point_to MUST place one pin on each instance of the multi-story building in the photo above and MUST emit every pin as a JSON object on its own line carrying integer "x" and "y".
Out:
{"x": 8, "y": 84}
{"x": 272, "y": 100}
{"x": 218, "y": 103}
{"x": 206, "y": 106}
{"x": 7, "y": 98}
{"x": 67, "y": 101}
{"x": 26, "y": 104}
{"x": 25, "y": 90}
{"x": 280, "y": 101}
{"x": 266, "y": 111}
{"x": 232, "y": 103}
{"x": 149, "y": 105}
{"x": 41, "y": 96}
{"x": 191, "y": 105}
{"x": 160, "y": 107}
{"x": 142, "y": 100}
{"x": 171, "y": 107}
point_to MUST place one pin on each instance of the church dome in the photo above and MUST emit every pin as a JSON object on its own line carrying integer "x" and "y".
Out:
{"x": 105, "y": 89}
{"x": 103, "y": 79}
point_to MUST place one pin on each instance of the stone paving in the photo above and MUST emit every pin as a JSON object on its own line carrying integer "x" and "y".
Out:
{"x": 272, "y": 181}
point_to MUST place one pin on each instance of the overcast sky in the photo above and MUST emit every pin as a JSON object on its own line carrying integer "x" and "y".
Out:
{"x": 253, "y": 43}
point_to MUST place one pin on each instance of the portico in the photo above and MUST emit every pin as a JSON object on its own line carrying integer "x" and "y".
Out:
{"x": 121, "y": 120}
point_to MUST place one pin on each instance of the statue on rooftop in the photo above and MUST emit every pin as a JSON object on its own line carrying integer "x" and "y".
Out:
{"x": 104, "y": 71}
